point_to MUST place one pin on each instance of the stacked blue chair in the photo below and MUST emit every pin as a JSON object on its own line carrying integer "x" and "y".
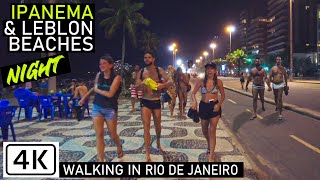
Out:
{"x": 46, "y": 104}
{"x": 6, "y": 115}
{"x": 27, "y": 100}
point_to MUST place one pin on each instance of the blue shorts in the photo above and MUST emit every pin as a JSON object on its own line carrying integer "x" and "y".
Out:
{"x": 107, "y": 113}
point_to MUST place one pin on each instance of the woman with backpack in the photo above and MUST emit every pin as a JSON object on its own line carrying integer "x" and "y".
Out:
{"x": 105, "y": 105}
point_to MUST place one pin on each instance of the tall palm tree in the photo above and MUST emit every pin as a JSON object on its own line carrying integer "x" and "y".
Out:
{"x": 124, "y": 15}
{"x": 149, "y": 41}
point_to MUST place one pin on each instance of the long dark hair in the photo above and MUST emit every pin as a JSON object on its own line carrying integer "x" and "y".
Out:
{"x": 215, "y": 80}
{"x": 109, "y": 59}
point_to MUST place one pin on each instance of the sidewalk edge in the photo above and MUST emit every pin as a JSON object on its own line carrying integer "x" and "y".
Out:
{"x": 297, "y": 109}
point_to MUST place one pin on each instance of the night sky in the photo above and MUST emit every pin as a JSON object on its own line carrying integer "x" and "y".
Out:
{"x": 192, "y": 24}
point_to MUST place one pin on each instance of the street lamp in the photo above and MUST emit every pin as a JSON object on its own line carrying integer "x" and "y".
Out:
{"x": 230, "y": 29}
{"x": 179, "y": 62}
{"x": 213, "y": 46}
{"x": 291, "y": 43}
{"x": 174, "y": 50}
{"x": 205, "y": 53}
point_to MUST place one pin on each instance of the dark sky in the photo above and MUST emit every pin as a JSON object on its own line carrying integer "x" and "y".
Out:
{"x": 192, "y": 24}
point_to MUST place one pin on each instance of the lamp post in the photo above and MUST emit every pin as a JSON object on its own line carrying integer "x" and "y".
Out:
{"x": 213, "y": 46}
{"x": 230, "y": 29}
{"x": 291, "y": 43}
{"x": 205, "y": 54}
{"x": 174, "y": 50}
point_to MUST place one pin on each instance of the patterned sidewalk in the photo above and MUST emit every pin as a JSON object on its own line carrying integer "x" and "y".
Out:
{"x": 181, "y": 139}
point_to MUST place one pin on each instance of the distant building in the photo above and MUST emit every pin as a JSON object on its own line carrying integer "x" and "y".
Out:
{"x": 257, "y": 37}
{"x": 244, "y": 23}
{"x": 278, "y": 28}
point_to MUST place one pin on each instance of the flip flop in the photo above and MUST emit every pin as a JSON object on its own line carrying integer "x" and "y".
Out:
{"x": 253, "y": 117}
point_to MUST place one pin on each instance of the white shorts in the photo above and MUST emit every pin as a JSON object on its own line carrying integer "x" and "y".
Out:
{"x": 278, "y": 86}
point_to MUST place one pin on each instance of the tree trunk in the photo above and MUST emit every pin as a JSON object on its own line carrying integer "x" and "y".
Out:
{"x": 239, "y": 66}
{"x": 52, "y": 83}
{"x": 122, "y": 59}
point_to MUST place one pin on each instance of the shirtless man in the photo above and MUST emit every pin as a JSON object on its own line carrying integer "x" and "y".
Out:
{"x": 79, "y": 92}
{"x": 172, "y": 90}
{"x": 182, "y": 82}
{"x": 258, "y": 75}
{"x": 150, "y": 102}
{"x": 278, "y": 77}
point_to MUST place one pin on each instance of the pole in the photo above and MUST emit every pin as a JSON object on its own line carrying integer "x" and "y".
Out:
{"x": 212, "y": 54}
{"x": 173, "y": 58}
{"x": 291, "y": 43}
{"x": 230, "y": 41}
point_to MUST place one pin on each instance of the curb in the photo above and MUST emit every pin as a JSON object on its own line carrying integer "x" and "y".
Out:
{"x": 297, "y": 109}
{"x": 306, "y": 82}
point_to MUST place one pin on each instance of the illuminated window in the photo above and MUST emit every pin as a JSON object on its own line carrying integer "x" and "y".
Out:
{"x": 307, "y": 7}
{"x": 307, "y": 44}
{"x": 273, "y": 18}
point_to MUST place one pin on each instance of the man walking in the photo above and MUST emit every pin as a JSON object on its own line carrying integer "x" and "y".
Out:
{"x": 279, "y": 77}
{"x": 150, "y": 102}
{"x": 258, "y": 75}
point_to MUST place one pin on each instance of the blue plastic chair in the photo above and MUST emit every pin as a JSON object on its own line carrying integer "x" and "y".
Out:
{"x": 66, "y": 99}
{"x": 27, "y": 100}
{"x": 75, "y": 104}
{"x": 4, "y": 103}
{"x": 6, "y": 115}
{"x": 46, "y": 104}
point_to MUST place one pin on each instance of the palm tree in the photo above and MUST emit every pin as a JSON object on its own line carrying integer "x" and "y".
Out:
{"x": 149, "y": 41}
{"x": 238, "y": 56}
{"x": 124, "y": 15}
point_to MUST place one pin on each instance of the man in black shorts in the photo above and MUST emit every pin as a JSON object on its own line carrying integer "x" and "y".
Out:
{"x": 150, "y": 102}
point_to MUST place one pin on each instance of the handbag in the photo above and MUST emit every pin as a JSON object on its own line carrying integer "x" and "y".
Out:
{"x": 194, "y": 115}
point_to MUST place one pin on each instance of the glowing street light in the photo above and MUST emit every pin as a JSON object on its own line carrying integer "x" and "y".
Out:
{"x": 174, "y": 50}
{"x": 205, "y": 53}
{"x": 230, "y": 29}
{"x": 179, "y": 62}
{"x": 213, "y": 46}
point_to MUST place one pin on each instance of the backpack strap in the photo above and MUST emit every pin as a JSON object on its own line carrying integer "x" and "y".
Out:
{"x": 158, "y": 71}
{"x": 141, "y": 74}
{"x": 159, "y": 75}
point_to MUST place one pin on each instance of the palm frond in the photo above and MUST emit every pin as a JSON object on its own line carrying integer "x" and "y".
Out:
{"x": 130, "y": 26}
{"x": 139, "y": 19}
{"x": 136, "y": 7}
{"x": 107, "y": 11}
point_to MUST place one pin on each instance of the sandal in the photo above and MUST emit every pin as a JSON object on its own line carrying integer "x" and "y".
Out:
{"x": 280, "y": 117}
{"x": 253, "y": 117}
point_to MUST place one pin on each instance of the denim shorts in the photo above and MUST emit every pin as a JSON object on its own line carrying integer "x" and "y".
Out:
{"x": 107, "y": 113}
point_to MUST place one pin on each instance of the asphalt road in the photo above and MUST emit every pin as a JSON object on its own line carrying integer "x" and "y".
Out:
{"x": 300, "y": 94}
{"x": 287, "y": 149}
